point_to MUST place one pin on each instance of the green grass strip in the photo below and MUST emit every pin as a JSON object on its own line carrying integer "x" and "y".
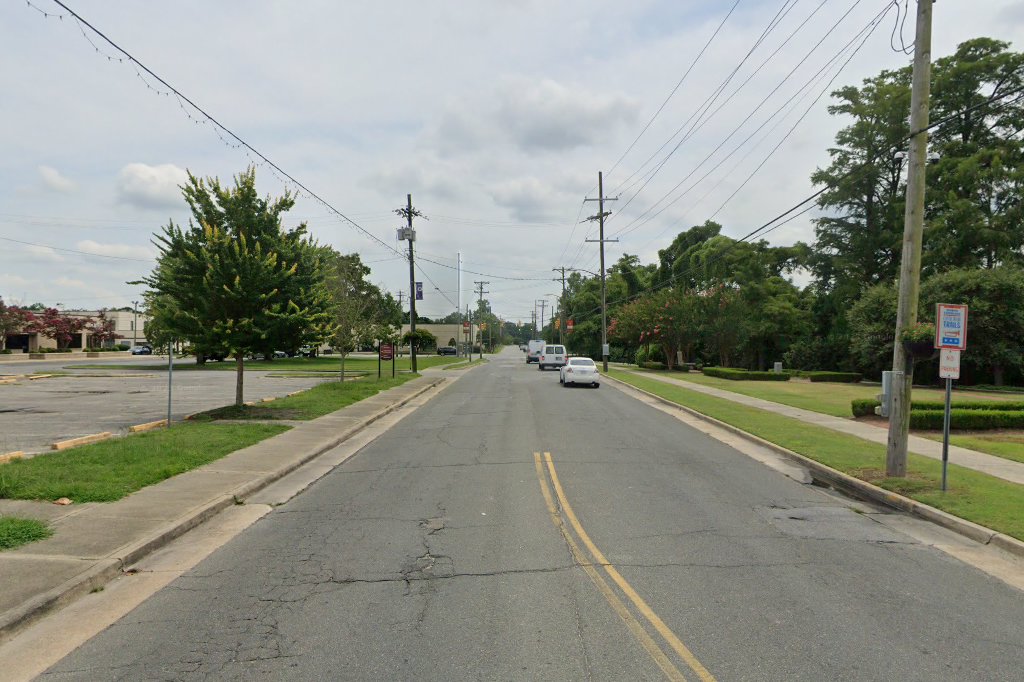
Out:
{"x": 320, "y": 400}
{"x": 15, "y": 532}
{"x": 972, "y": 495}
{"x": 107, "y": 471}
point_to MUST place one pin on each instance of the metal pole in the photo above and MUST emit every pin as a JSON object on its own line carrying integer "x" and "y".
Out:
{"x": 945, "y": 432}
{"x": 458, "y": 307}
{"x": 135, "y": 323}
{"x": 913, "y": 226}
{"x": 170, "y": 377}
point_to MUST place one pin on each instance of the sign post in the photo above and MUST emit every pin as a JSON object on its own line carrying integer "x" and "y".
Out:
{"x": 386, "y": 351}
{"x": 950, "y": 339}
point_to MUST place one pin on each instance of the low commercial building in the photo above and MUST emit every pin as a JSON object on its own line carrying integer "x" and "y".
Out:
{"x": 129, "y": 328}
{"x": 449, "y": 334}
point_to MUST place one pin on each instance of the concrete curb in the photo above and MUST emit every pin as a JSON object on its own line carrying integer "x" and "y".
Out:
{"x": 856, "y": 487}
{"x": 107, "y": 568}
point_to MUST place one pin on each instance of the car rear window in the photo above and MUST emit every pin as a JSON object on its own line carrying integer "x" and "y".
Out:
{"x": 554, "y": 350}
{"x": 582, "y": 361}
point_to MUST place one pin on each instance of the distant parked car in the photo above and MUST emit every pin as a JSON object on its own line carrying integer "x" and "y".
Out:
{"x": 447, "y": 350}
{"x": 579, "y": 371}
{"x": 142, "y": 350}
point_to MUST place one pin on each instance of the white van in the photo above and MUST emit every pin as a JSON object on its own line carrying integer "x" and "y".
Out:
{"x": 552, "y": 356}
{"x": 534, "y": 347}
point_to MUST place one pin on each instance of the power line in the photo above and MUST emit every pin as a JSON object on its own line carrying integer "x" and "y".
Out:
{"x": 676, "y": 88}
{"x": 83, "y": 253}
{"x": 647, "y": 216}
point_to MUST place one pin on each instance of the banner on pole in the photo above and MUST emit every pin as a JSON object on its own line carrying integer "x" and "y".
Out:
{"x": 419, "y": 291}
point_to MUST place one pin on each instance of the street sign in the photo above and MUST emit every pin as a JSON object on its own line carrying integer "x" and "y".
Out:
{"x": 387, "y": 351}
{"x": 419, "y": 291}
{"x": 951, "y": 326}
{"x": 568, "y": 325}
{"x": 949, "y": 363}
{"x": 465, "y": 327}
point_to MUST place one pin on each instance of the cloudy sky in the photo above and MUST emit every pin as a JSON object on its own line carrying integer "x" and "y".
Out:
{"x": 495, "y": 116}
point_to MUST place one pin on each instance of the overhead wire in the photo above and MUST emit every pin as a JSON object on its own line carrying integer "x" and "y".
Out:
{"x": 647, "y": 215}
{"x": 675, "y": 89}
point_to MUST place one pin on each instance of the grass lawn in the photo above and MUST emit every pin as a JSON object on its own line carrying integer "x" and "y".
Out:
{"x": 107, "y": 471}
{"x": 826, "y": 398}
{"x": 320, "y": 400}
{"x": 320, "y": 364}
{"x": 15, "y": 531}
{"x": 972, "y": 495}
{"x": 1006, "y": 444}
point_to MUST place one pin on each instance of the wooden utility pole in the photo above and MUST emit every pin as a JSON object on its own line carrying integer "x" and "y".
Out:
{"x": 601, "y": 215}
{"x": 543, "y": 304}
{"x": 913, "y": 227}
{"x": 481, "y": 292}
{"x": 408, "y": 212}
{"x": 561, "y": 307}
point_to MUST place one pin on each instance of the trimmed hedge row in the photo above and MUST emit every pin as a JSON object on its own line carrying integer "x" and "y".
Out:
{"x": 652, "y": 364}
{"x": 743, "y": 375}
{"x": 967, "y": 419}
{"x": 863, "y": 407}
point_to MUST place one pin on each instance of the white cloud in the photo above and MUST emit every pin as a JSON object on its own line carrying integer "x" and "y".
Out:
{"x": 119, "y": 250}
{"x": 151, "y": 187}
{"x": 43, "y": 253}
{"x": 532, "y": 116}
{"x": 52, "y": 179}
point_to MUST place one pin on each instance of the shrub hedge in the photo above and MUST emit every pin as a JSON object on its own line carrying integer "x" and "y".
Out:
{"x": 862, "y": 407}
{"x": 743, "y": 375}
{"x": 652, "y": 364}
{"x": 968, "y": 419}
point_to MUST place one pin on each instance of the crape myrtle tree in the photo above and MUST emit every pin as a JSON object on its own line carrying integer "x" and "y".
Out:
{"x": 101, "y": 329}
{"x": 235, "y": 282}
{"x": 13, "y": 319}
{"x": 56, "y": 325}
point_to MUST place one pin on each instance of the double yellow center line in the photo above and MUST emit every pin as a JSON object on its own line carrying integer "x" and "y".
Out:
{"x": 589, "y": 557}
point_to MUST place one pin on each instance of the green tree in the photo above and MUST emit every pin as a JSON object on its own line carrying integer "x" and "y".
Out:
{"x": 225, "y": 283}
{"x": 974, "y": 200}
{"x": 13, "y": 319}
{"x": 995, "y": 325}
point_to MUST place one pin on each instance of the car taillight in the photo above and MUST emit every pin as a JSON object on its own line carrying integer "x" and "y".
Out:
{"x": 542, "y": 357}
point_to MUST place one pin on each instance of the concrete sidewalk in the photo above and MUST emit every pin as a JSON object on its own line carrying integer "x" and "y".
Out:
{"x": 990, "y": 464}
{"x": 94, "y": 542}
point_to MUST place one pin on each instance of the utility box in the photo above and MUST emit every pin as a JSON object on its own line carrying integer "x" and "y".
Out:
{"x": 885, "y": 397}
{"x": 406, "y": 234}
{"x": 777, "y": 368}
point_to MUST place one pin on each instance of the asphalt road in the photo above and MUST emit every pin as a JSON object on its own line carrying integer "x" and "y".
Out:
{"x": 641, "y": 549}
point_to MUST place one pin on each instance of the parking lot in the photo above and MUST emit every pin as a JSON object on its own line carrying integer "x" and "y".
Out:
{"x": 35, "y": 413}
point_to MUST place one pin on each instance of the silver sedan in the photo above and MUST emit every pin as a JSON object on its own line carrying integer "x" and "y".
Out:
{"x": 579, "y": 371}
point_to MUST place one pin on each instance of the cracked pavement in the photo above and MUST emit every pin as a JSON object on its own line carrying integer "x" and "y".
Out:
{"x": 431, "y": 555}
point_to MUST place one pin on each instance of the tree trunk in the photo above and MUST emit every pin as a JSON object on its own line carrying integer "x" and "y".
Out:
{"x": 997, "y": 375}
{"x": 239, "y": 377}
{"x": 341, "y": 377}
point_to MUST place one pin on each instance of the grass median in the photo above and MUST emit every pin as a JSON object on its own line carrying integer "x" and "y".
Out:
{"x": 107, "y": 471}
{"x": 977, "y": 497}
{"x": 824, "y": 397}
{"x": 312, "y": 403}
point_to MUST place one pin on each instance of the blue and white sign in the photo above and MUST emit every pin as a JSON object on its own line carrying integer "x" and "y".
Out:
{"x": 951, "y": 326}
{"x": 419, "y": 291}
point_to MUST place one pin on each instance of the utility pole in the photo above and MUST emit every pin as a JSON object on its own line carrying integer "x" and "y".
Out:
{"x": 135, "y": 324}
{"x": 913, "y": 227}
{"x": 561, "y": 307}
{"x": 601, "y": 215}
{"x": 480, "y": 287}
{"x": 408, "y": 212}
{"x": 458, "y": 305}
{"x": 543, "y": 304}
